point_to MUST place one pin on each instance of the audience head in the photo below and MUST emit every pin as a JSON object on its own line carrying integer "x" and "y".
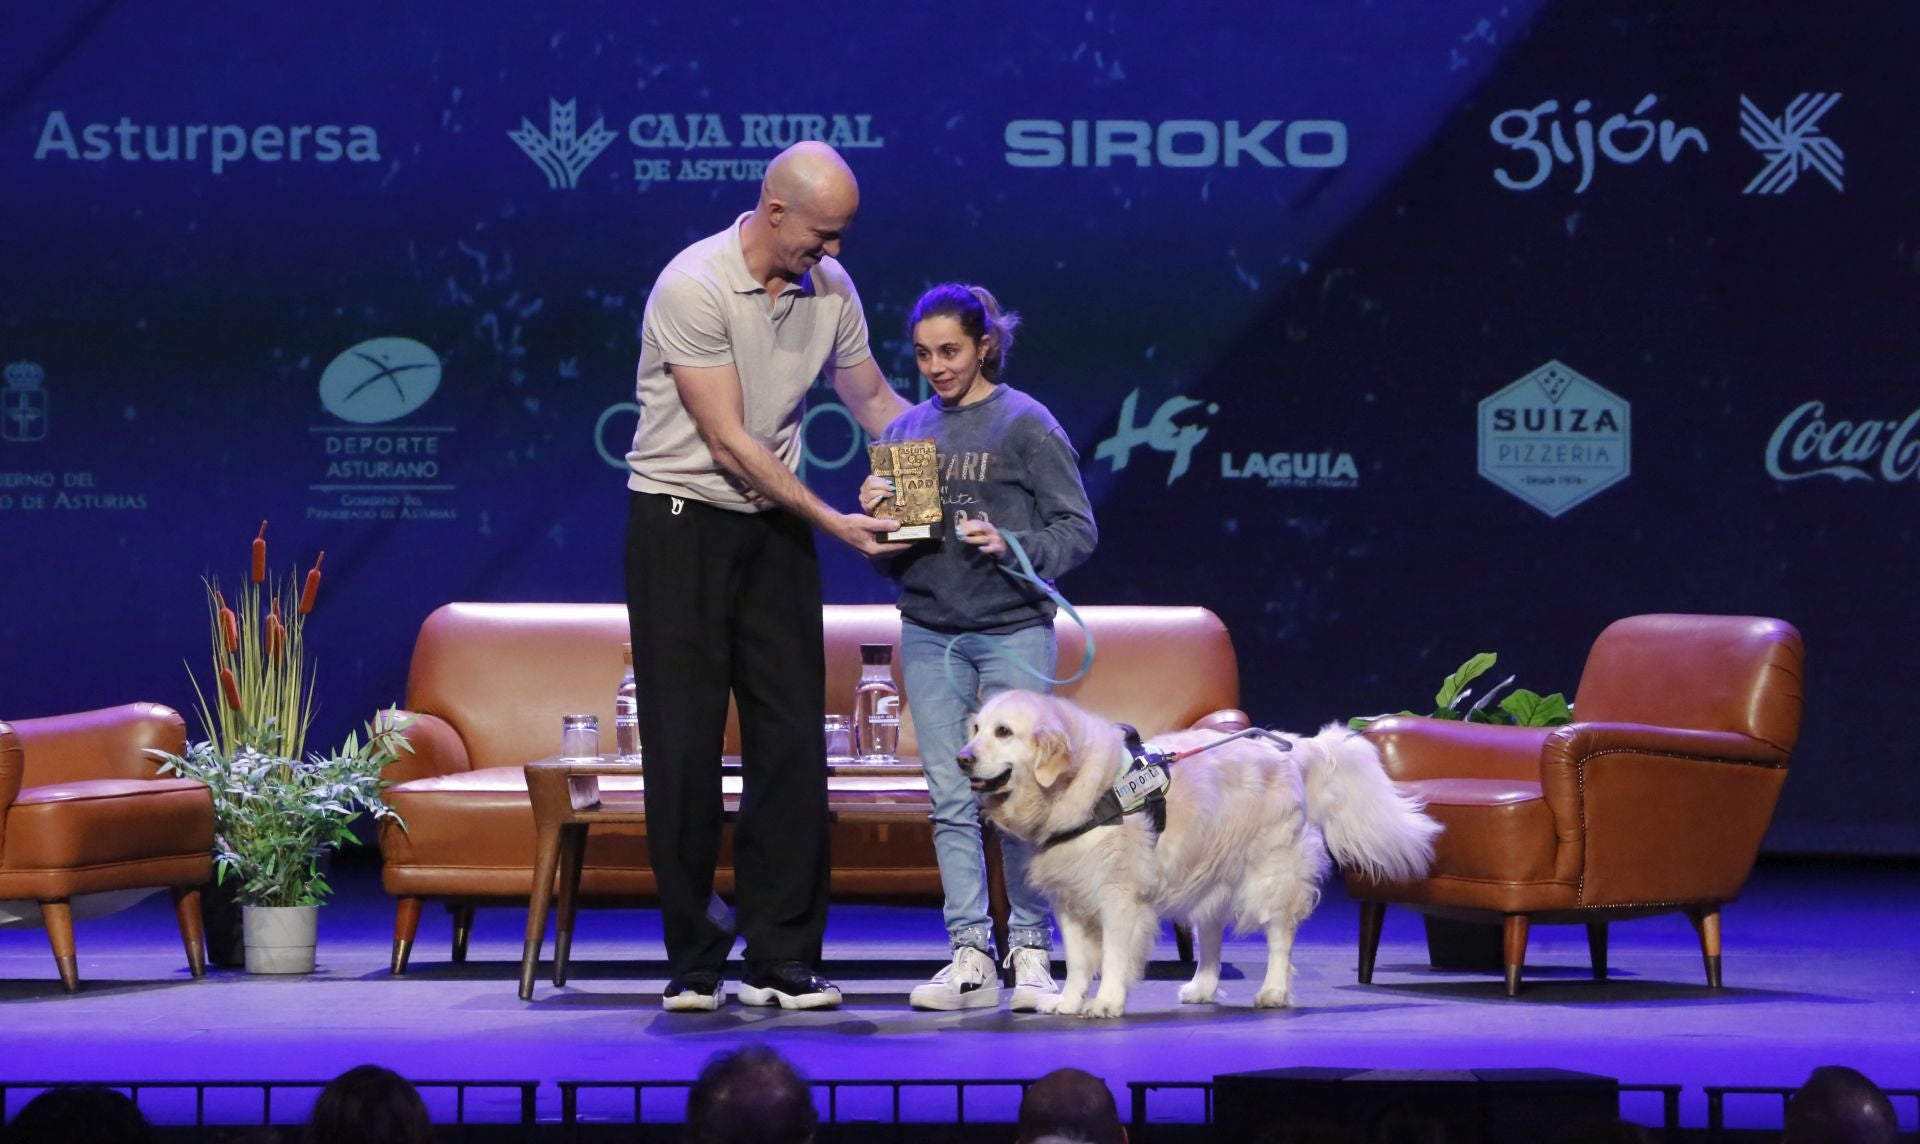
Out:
{"x": 750, "y": 1096}
{"x": 78, "y": 1114}
{"x": 1070, "y": 1105}
{"x": 369, "y": 1105}
{"x": 1838, "y": 1105}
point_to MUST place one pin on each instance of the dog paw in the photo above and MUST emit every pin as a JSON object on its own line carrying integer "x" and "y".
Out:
{"x": 1194, "y": 993}
{"x": 1068, "y": 1006}
{"x": 1272, "y": 999}
{"x": 1103, "y": 1007}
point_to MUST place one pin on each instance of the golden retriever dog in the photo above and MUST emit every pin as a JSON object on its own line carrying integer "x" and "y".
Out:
{"x": 1248, "y": 828}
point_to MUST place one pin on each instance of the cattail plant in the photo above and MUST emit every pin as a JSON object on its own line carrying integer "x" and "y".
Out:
{"x": 263, "y": 699}
{"x": 277, "y": 809}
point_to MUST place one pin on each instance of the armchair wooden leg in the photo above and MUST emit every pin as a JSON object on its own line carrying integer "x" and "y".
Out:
{"x": 406, "y": 924}
{"x": 193, "y": 934}
{"x": 573, "y": 859}
{"x": 1372, "y": 914}
{"x": 1597, "y": 946}
{"x": 462, "y": 932}
{"x": 59, "y": 918}
{"x": 1706, "y": 921}
{"x": 1513, "y": 950}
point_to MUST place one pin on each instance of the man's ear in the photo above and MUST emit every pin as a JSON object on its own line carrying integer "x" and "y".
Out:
{"x": 1053, "y": 754}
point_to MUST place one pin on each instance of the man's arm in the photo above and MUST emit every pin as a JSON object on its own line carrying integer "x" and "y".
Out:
{"x": 711, "y": 395}
{"x": 863, "y": 389}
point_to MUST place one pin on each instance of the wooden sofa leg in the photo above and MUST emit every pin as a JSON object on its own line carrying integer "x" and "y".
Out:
{"x": 1513, "y": 950}
{"x": 1706, "y": 921}
{"x": 59, "y": 918}
{"x": 999, "y": 906}
{"x": 406, "y": 925}
{"x": 193, "y": 934}
{"x": 1597, "y": 948}
{"x": 462, "y": 932}
{"x": 1372, "y": 914}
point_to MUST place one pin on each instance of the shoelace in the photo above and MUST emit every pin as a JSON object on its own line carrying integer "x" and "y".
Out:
{"x": 1042, "y": 976}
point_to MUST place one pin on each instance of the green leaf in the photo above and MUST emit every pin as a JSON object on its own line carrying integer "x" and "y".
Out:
{"x": 1530, "y": 709}
{"x": 1453, "y": 685}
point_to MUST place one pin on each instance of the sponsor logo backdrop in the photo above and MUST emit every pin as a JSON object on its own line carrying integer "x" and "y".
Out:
{"x": 1392, "y": 333}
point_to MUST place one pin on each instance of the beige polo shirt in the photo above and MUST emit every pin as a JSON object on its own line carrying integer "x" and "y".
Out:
{"x": 706, "y": 310}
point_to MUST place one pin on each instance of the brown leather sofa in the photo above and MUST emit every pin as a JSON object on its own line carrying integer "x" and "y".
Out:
{"x": 489, "y": 683}
{"x": 84, "y": 812}
{"x": 1655, "y": 800}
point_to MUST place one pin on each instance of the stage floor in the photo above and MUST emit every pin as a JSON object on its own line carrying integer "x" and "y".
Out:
{"x": 1821, "y": 968}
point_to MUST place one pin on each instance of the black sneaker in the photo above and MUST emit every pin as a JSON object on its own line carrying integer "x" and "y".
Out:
{"x": 789, "y": 985}
{"x": 700, "y": 990}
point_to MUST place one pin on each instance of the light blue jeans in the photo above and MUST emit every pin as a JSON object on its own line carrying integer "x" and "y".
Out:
{"x": 941, "y": 719}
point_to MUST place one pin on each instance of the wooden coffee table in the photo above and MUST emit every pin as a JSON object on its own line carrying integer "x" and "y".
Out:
{"x": 569, "y": 797}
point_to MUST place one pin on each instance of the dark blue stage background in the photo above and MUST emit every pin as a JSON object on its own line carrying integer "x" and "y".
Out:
{"x": 1393, "y": 332}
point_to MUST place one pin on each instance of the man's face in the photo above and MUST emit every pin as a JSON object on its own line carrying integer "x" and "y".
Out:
{"x": 806, "y": 232}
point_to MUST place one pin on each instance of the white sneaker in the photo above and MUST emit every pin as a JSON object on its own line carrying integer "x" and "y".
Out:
{"x": 1033, "y": 988}
{"x": 970, "y": 981}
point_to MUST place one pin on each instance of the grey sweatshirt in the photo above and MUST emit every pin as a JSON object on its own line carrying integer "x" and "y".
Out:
{"x": 1007, "y": 461}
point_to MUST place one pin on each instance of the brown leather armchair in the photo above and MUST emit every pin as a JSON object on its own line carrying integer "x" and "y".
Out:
{"x": 83, "y": 811}
{"x": 1655, "y": 800}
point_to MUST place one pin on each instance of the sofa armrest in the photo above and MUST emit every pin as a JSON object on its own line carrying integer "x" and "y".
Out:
{"x": 110, "y": 743}
{"x": 438, "y": 748}
{"x": 12, "y": 762}
{"x": 1660, "y": 814}
{"x": 1414, "y": 747}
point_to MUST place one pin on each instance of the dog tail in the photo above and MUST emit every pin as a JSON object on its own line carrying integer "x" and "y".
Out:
{"x": 1370, "y": 825}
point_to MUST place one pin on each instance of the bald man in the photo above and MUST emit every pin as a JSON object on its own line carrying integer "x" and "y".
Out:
{"x": 1839, "y": 1105}
{"x": 723, "y": 584}
{"x": 1070, "y": 1104}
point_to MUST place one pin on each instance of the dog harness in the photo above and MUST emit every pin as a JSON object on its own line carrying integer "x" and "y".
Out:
{"x": 1143, "y": 785}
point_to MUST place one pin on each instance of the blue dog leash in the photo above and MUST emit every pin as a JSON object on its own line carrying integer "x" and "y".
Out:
{"x": 1024, "y": 571}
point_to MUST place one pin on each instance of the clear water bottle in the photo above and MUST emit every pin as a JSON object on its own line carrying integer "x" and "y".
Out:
{"x": 626, "y": 712}
{"x": 876, "y": 706}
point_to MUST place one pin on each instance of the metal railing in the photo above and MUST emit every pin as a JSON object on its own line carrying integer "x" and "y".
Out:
{"x": 1717, "y": 1100}
{"x": 200, "y": 1090}
{"x": 840, "y": 1096}
{"x": 835, "y": 1090}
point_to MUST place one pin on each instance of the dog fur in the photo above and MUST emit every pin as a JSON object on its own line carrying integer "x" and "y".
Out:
{"x": 1248, "y": 827}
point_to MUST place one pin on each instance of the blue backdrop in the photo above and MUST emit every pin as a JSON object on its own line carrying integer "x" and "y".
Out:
{"x": 1392, "y": 332}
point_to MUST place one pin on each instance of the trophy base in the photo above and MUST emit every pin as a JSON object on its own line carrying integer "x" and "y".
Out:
{"x": 912, "y": 532}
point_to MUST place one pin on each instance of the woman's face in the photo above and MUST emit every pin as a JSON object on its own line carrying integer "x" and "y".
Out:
{"x": 950, "y": 360}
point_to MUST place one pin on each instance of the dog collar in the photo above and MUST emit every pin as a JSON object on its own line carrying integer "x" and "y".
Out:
{"x": 1142, "y": 787}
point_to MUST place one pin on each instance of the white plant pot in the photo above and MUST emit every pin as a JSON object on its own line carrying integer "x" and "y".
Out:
{"x": 280, "y": 939}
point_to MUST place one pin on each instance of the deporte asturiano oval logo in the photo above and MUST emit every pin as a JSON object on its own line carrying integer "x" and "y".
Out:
{"x": 380, "y": 379}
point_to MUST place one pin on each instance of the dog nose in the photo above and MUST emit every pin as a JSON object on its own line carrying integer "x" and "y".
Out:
{"x": 965, "y": 759}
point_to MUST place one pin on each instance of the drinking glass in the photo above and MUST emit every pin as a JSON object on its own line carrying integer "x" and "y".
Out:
{"x": 579, "y": 736}
{"x": 839, "y": 734}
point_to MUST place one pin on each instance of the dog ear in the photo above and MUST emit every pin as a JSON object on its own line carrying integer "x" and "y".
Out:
{"x": 1053, "y": 754}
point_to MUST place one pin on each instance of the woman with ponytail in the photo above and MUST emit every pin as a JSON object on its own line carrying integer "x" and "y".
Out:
{"x": 1006, "y": 469}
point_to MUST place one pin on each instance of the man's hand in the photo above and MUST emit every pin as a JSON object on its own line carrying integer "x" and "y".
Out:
{"x": 862, "y": 533}
{"x": 873, "y": 490}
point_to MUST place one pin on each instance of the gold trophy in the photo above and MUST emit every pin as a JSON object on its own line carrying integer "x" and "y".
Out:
{"x": 914, "y": 468}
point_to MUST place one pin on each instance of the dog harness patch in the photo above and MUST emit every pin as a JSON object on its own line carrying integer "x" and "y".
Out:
{"x": 1142, "y": 787}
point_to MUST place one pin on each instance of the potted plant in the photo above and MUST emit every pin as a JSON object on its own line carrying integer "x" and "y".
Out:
{"x": 278, "y": 810}
{"x": 1453, "y": 944}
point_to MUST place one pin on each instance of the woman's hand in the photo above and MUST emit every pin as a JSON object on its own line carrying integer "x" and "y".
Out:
{"x": 982, "y": 535}
{"x": 873, "y": 490}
